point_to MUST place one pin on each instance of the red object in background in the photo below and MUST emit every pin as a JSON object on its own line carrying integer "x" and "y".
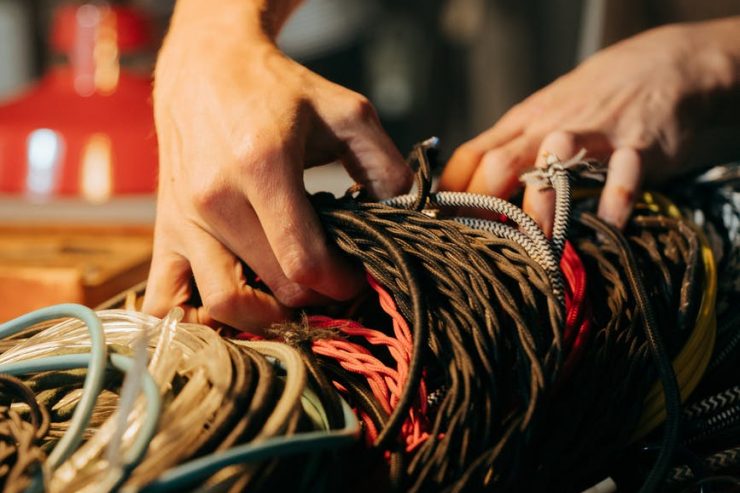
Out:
{"x": 87, "y": 128}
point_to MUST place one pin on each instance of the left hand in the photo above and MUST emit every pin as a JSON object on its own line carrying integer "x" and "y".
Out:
{"x": 637, "y": 104}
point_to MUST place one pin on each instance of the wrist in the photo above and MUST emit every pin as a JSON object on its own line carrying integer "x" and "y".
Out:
{"x": 252, "y": 20}
{"x": 202, "y": 38}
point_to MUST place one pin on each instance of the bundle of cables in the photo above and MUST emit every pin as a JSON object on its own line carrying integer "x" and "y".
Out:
{"x": 708, "y": 453}
{"x": 207, "y": 404}
{"x": 485, "y": 357}
{"x": 515, "y": 352}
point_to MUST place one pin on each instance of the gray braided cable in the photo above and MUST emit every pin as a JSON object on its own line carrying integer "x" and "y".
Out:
{"x": 530, "y": 229}
{"x": 546, "y": 253}
{"x": 563, "y": 199}
{"x": 544, "y": 258}
{"x": 715, "y": 462}
{"x": 557, "y": 175}
{"x": 505, "y": 231}
{"x": 485, "y": 202}
{"x": 713, "y": 403}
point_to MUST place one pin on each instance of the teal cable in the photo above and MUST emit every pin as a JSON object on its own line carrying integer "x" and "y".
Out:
{"x": 73, "y": 361}
{"x": 177, "y": 478}
{"x": 95, "y": 371}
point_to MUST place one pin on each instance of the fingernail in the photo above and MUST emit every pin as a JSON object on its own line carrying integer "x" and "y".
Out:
{"x": 614, "y": 215}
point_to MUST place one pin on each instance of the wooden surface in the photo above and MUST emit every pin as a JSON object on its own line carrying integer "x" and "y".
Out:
{"x": 41, "y": 265}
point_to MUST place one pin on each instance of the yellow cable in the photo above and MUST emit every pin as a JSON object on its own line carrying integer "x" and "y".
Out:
{"x": 693, "y": 359}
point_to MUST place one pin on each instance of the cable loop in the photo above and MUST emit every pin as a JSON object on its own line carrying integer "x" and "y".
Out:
{"x": 423, "y": 171}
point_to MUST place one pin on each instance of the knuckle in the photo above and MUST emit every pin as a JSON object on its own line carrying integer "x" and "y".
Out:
{"x": 362, "y": 109}
{"x": 520, "y": 110}
{"x": 221, "y": 305}
{"x": 561, "y": 143}
{"x": 207, "y": 196}
{"x": 465, "y": 154}
{"x": 496, "y": 158}
{"x": 260, "y": 162}
{"x": 292, "y": 295}
{"x": 559, "y": 139}
{"x": 153, "y": 306}
{"x": 300, "y": 267}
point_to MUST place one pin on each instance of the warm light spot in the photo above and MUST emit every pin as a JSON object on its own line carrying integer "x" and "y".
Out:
{"x": 105, "y": 54}
{"x": 83, "y": 63}
{"x": 44, "y": 149}
{"x": 96, "y": 168}
{"x": 96, "y": 58}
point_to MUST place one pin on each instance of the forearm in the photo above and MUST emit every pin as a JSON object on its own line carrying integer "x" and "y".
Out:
{"x": 205, "y": 35}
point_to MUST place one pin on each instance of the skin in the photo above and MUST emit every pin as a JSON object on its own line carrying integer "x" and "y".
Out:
{"x": 642, "y": 105}
{"x": 237, "y": 122}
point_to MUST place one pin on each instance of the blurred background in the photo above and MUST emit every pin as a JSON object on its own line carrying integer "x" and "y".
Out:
{"x": 77, "y": 143}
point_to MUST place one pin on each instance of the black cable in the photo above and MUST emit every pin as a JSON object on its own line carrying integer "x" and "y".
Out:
{"x": 657, "y": 348}
{"x": 21, "y": 454}
{"x": 489, "y": 298}
{"x": 322, "y": 386}
{"x": 418, "y": 318}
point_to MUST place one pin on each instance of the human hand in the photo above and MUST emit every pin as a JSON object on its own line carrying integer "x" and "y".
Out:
{"x": 237, "y": 122}
{"x": 637, "y": 104}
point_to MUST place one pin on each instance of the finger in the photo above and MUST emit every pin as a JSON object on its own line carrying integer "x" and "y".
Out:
{"x": 539, "y": 202}
{"x": 622, "y": 183}
{"x": 371, "y": 157}
{"x": 459, "y": 170}
{"x": 168, "y": 284}
{"x": 374, "y": 161}
{"x": 239, "y": 229}
{"x": 295, "y": 235}
{"x": 225, "y": 295}
{"x": 499, "y": 170}
{"x": 461, "y": 167}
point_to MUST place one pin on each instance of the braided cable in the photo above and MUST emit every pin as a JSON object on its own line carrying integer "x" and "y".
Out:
{"x": 21, "y": 454}
{"x": 529, "y": 227}
{"x": 657, "y": 349}
{"x": 563, "y": 198}
{"x": 718, "y": 461}
{"x": 480, "y": 284}
{"x": 503, "y": 230}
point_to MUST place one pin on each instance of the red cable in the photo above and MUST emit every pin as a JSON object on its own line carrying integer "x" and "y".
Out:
{"x": 386, "y": 383}
{"x": 578, "y": 311}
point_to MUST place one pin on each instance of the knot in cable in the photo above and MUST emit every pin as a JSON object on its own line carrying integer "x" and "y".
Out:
{"x": 301, "y": 332}
{"x": 423, "y": 171}
{"x": 557, "y": 175}
{"x": 577, "y": 165}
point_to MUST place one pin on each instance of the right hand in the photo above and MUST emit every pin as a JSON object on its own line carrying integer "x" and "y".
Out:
{"x": 237, "y": 122}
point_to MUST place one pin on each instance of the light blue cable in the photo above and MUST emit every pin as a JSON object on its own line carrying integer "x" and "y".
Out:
{"x": 178, "y": 478}
{"x": 95, "y": 371}
{"x": 73, "y": 361}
